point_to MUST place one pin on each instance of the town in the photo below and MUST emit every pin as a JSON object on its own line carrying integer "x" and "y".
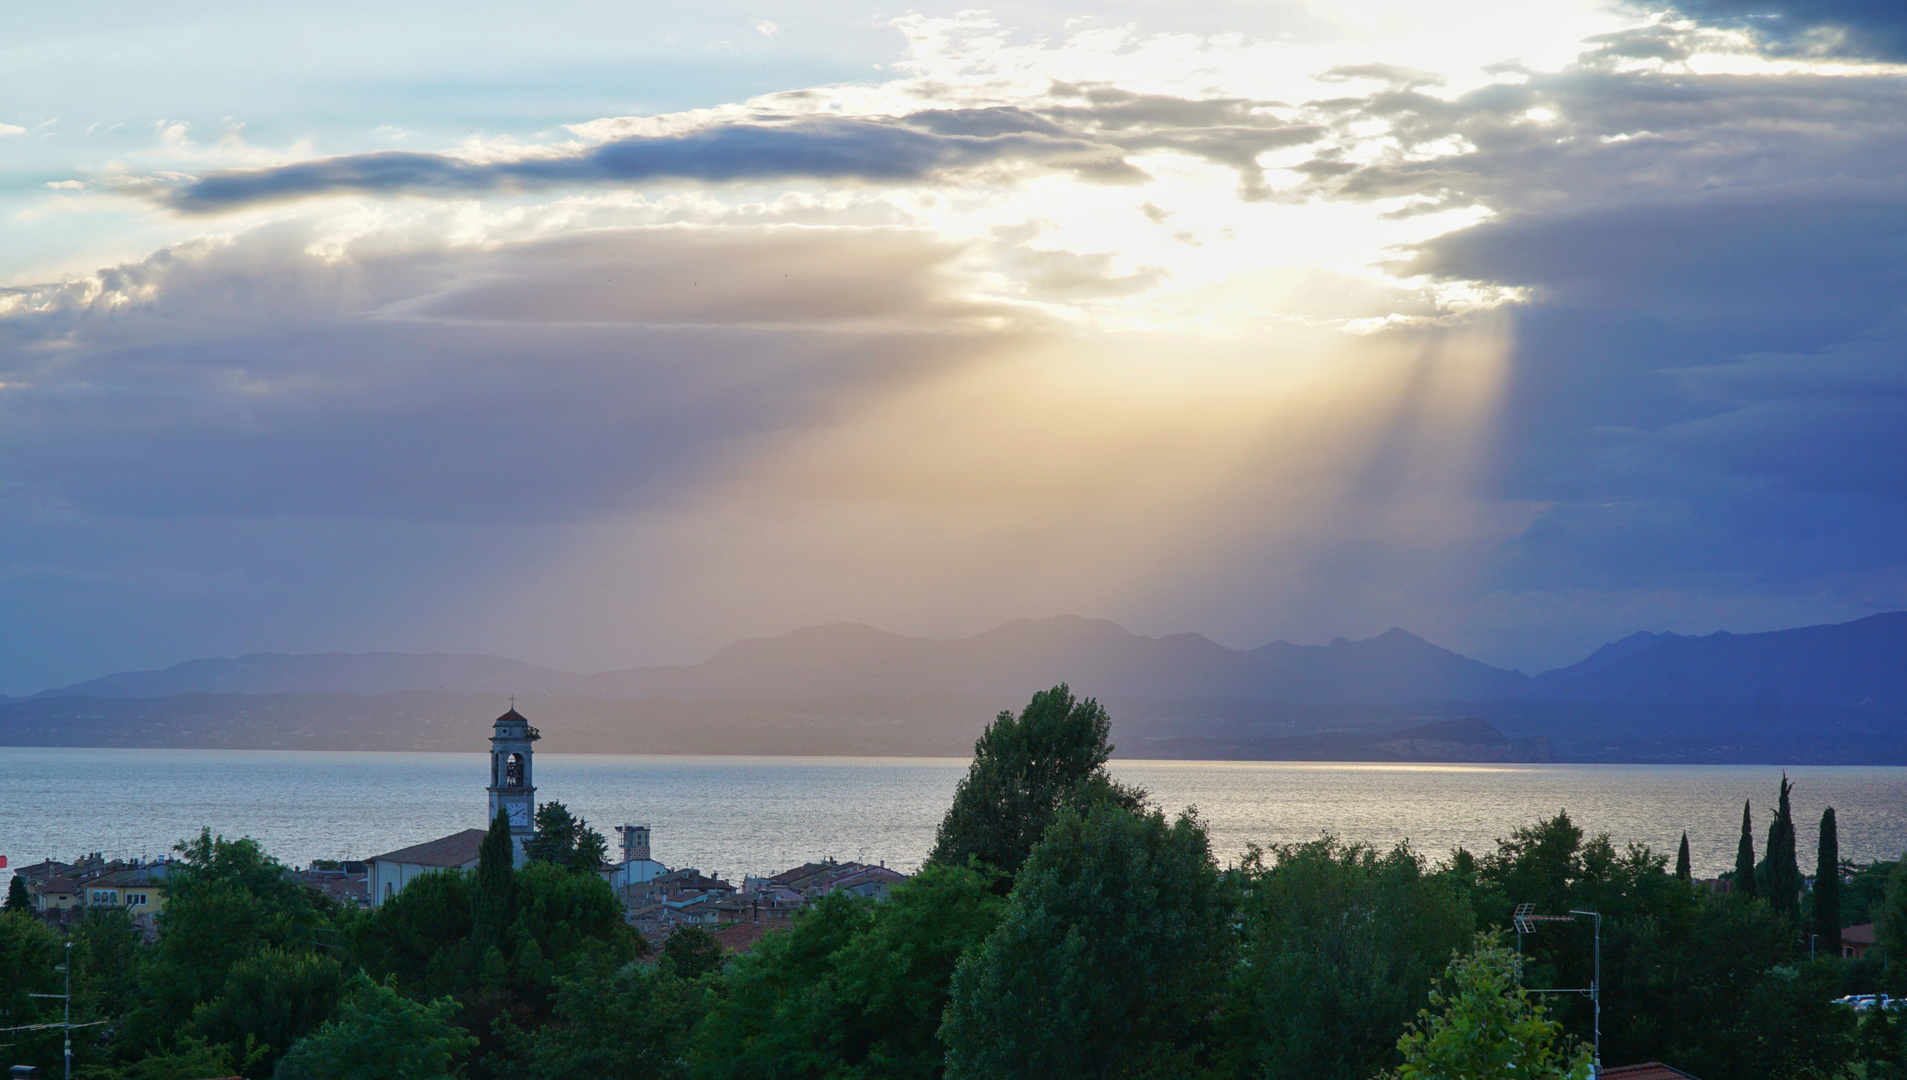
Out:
{"x": 656, "y": 899}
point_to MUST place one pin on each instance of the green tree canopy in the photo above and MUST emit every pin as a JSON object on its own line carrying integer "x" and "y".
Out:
{"x": 1781, "y": 876}
{"x": 1024, "y": 770}
{"x": 1743, "y": 883}
{"x": 855, "y": 988}
{"x": 1482, "y": 1025}
{"x": 1115, "y": 943}
{"x": 1683, "y": 870}
{"x": 566, "y": 840}
{"x": 1341, "y": 945}
{"x": 1827, "y": 886}
{"x": 18, "y": 898}
{"x": 380, "y": 1035}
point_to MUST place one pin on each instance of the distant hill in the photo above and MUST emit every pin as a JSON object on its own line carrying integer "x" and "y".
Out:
{"x": 1860, "y": 665}
{"x": 848, "y": 660}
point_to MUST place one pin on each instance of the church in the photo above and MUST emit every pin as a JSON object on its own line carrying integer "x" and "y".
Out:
{"x": 512, "y": 792}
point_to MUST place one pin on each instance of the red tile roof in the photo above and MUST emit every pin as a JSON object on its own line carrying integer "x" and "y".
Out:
{"x": 1858, "y": 935}
{"x": 457, "y": 849}
{"x": 1652, "y": 1070}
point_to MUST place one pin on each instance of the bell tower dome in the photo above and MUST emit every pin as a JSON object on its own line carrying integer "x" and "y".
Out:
{"x": 512, "y": 788}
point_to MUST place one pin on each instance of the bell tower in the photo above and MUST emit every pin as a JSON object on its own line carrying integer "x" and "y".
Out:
{"x": 512, "y": 789}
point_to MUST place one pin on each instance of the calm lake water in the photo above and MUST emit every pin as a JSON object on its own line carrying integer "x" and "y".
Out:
{"x": 736, "y": 815}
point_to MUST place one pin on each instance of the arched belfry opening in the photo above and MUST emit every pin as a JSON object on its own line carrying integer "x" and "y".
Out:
{"x": 512, "y": 781}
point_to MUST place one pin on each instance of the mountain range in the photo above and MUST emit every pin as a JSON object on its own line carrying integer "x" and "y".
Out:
{"x": 1859, "y": 665}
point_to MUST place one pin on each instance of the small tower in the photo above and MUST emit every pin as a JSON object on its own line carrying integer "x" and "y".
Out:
{"x": 512, "y": 790}
{"x": 635, "y": 842}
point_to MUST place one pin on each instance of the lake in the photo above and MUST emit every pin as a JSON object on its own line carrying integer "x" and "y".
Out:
{"x": 742, "y": 815}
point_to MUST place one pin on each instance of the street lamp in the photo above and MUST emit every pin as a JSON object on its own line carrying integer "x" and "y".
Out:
{"x": 1526, "y": 920}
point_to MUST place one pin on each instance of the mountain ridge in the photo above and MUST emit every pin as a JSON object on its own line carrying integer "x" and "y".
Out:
{"x": 1862, "y": 663}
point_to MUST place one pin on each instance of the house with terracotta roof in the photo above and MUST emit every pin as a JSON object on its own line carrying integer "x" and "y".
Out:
{"x": 393, "y": 870}
{"x": 1856, "y": 940}
{"x": 56, "y": 894}
{"x": 1651, "y": 1070}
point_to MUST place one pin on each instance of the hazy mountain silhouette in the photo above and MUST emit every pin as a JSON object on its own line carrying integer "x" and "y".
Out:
{"x": 1857, "y": 664}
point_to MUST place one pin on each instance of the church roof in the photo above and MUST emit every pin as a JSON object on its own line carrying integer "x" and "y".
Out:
{"x": 512, "y": 717}
{"x": 457, "y": 849}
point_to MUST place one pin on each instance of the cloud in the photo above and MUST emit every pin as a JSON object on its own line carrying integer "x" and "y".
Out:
{"x": 559, "y": 379}
{"x": 824, "y": 148}
{"x": 1841, "y": 28}
{"x": 11, "y": 129}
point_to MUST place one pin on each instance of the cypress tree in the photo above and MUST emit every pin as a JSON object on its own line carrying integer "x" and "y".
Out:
{"x": 1682, "y": 869}
{"x": 1783, "y": 875}
{"x": 1745, "y": 855}
{"x": 18, "y": 899}
{"x": 496, "y": 888}
{"x": 1827, "y": 887}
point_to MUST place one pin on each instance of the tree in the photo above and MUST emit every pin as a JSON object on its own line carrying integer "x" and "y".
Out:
{"x": 565, "y": 840}
{"x": 494, "y": 901}
{"x": 1485, "y": 1027}
{"x": 1024, "y": 770}
{"x": 854, "y": 988}
{"x": 1891, "y": 922}
{"x": 18, "y": 898}
{"x": 1781, "y": 877}
{"x": 1341, "y": 945}
{"x": 1827, "y": 887}
{"x": 379, "y": 1035}
{"x": 226, "y": 902}
{"x": 271, "y": 999}
{"x": 1116, "y": 939}
{"x": 627, "y": 1022}
{"x": 1744, "y": 880}
{"x": 693, "y": 952}
{"x": 29, "y": 954}
{"x": 1683, "y": 870}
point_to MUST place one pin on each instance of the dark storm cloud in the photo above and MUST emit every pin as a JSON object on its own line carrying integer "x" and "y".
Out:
{"x": 1088, "y": 132}
{"x": 1844, "y": 28}
{"x": 527, "y": 381}
{"x": 826, "y": 148}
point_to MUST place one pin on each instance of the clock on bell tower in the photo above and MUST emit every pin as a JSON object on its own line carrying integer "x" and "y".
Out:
{"x": 512, "y": 791}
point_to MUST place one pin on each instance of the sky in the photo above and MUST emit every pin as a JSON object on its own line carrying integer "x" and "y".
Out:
{"x": 600, "y": 335}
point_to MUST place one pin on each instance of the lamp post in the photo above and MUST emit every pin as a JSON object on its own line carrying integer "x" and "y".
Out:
{"x": 1526, "y": 920}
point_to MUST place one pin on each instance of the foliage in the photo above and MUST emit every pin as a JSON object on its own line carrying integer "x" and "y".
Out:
{"x": 1683, "y": 870}
{"x": 566, "y": 840}
{"x": 228, "y": 901}
{"x": 18, "y": 898}
{"x": 693, "y": 952}
{"x": 1826, "y": 897}
{"x": 272, "y": 998}
{"x": 610, "y": 1022}
{"x": 1780, "y": 879}
{"x": 1890, "y": 921}
{"x": 1117, "y": 935}
{"x": 1341, "y": 945}
{"x": 29, "y": 953}
{"x": 855, "y": 988}
{"x": 1485, "y": 1027}
{"x": 190, "y": 1058}
{"x": 1744, "y": 880}
{"x": 1865, "y": 893}
{"x": 1025, "y": 769}
{"x": 379, "y": 1035}
{"x": 493, "y": 903}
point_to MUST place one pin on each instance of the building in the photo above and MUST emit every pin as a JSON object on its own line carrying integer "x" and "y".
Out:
{"x": 140, "y": 890}
{"x": 512, "y": 785}
{"x": 56, "y": 895}
{"x": 636, "y": 866}
{"x": 1649, "y": 1070}
{"x": 393, "y": 870}
{"x": 1856, "y": 940}
{"x": 512, "y": 792}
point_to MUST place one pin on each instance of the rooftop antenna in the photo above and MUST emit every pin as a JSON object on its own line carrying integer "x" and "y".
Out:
{"x": 1526, "y": 919}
